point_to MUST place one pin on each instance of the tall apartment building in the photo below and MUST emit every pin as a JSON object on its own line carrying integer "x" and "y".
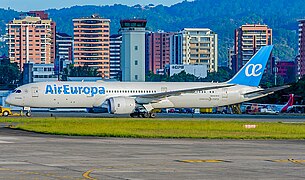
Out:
{"x": 301, "y": 56}
{"x": 64, "y": 46}
{"x": 249, "y": 39}
{"x": 31, "y": 38}
{"x": 157, "y": 51}
{"x": 230, "y": 58}
{"x": 195, "y": 46}
{"x": 64, "y": 50}
{"x": 91, "y": 43}
{"x": 115, "y": 56}
{"x": 287, "y": 70}
{"x": 133, "y": 49}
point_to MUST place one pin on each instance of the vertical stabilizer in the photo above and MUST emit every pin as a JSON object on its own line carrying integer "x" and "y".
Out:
{"x": 289, "y": 103}
{"x": 251, "y": 73}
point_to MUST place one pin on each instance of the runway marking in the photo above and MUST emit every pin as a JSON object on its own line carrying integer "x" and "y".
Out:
{"x": 87, "y": 175}
{"x": 295, "y": 161}
{"x": 202, "y": 161}
{"x": 5, "y": 142}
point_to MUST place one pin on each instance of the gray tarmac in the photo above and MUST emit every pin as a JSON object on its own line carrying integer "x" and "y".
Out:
{"x": 26, "y": 155}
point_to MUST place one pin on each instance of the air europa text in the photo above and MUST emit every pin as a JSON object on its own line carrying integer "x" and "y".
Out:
{"x": 68, "y": 89}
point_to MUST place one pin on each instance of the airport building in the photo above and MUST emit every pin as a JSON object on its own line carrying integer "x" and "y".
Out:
{"x": 301, "y": 60}
{"x": 31, "y": 38}
{"x": 199, "y": 70}
{"x": 91, "y": 43}
{"x": 157, "y": 51}
{"x": 115, "y": 56}
{"x": 133, "y": 49}
{"x": 38, "y": 73}
{"x": 248, "y": 40}
{"x": 195, "y": 46}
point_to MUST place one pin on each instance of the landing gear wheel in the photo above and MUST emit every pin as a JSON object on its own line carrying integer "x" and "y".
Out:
{"x": 145, "y": 115}
{"x": 133, "y": 115}
{"x": 28, "y": 114}
{"x": 5, "y": 113}
{"x": 152, "y": 115}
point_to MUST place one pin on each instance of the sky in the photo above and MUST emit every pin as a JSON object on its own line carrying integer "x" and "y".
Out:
{"x": 26, "y": 5}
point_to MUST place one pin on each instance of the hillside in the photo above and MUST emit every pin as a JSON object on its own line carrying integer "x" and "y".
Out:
{"x": 221, "y": 16}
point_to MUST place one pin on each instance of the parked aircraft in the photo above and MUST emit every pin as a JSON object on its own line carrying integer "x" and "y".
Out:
{"x": 268, "y": 108}
{"x": 140, "y": 98}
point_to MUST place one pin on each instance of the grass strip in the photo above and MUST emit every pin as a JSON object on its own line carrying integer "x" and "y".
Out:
{"x": 154, "y": 128}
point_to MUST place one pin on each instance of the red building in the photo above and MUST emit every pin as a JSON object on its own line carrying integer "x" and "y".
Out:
{"x": 301, "y": 61}
{"x": 31, "y": 38}
{"x": 157, "y": 51}
{"x": 249, "y": 39}
{"x": 287, "y": 70}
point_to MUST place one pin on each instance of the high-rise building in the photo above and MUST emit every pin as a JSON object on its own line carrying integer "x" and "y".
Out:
{"x": 31, "y": 38}
{"x": 157, "y": 51}
{"x": 133, "y": 49}
{"x": 249, "y": 39}
{"x": 287, "y": 70}
{"x": 195, "y": 46}
{"x": 115, "y": 56}
{"x": 64, "y": 51}
{"x": 301, "y": 58}
{"x": 64, "y": 46}
{"x": 91, "y": 43}
{"x": 230, "y": 58}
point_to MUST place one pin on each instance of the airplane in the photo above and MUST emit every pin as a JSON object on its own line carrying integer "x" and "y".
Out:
{"x": 269, "y": 108}
{"x": 138, "y": 99}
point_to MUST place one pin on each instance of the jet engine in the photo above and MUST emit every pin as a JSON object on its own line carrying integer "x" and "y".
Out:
{"x": 121, "y": 105}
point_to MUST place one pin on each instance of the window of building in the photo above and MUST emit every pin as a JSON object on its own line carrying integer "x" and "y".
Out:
{"x": 136, "y": 48}
{"x": 136, "y": 62}
{"x": 136, "y": 77}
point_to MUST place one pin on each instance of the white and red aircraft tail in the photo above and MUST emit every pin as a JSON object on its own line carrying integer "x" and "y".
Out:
{"x": 288, "y": 104}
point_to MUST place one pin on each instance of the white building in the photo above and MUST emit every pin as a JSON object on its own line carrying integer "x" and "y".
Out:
{"x": 195, "y": 46}
{"x": 133, "y": 50}
{"x": 44, "y": 72}
{"x": 199, "y": 70}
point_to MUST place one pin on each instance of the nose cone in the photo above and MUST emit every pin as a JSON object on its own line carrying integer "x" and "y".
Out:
{"x": 9, "y": 100}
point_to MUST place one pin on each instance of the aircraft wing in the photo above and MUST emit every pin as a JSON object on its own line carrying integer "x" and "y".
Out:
{"x": 264, "y": 92}
{"x": 148, "y": 98}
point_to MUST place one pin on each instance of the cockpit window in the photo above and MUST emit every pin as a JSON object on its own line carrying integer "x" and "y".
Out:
{"x": 18, "y": 91}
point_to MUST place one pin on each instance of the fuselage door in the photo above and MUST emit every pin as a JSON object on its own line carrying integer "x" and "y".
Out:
{"x": 35, "y": 92}
{"x": 163, "y": 89}
{"x": 224, "y": 93}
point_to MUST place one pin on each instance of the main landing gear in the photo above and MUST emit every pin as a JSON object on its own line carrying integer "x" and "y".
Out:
{"x": 141, "y": 112}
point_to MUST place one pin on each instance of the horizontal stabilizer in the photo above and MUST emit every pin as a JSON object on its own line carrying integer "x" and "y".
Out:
{"x": 264, "y": 92}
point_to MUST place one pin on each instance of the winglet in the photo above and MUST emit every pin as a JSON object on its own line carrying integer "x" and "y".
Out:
{"x": 251, "y": 73}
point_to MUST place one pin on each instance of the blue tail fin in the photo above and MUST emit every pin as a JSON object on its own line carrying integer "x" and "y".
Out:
{"x": 251, "y": 73}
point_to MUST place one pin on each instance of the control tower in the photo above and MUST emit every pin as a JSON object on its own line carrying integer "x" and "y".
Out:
{"x": 133, "y": 50}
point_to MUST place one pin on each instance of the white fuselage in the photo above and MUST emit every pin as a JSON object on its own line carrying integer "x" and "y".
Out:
{"x": 94, "y": 94}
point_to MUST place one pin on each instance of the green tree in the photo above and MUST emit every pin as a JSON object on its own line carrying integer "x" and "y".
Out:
{"x": 9, "y": 76}
{"x": 81, "y": 71}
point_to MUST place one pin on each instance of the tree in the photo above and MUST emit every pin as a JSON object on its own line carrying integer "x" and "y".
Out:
{"x": 223, "y": 74}
{"x": 9, "y": 76}
{"x": 81, "y": 71}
